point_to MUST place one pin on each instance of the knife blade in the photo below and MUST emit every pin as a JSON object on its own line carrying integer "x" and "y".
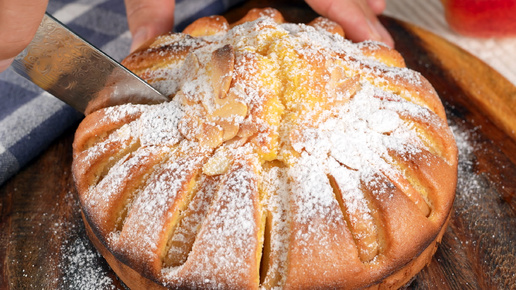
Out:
{"x": 73, "y": 70}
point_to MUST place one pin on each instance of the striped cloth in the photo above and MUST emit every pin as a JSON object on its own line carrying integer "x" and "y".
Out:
{"x": 30, "y": 119}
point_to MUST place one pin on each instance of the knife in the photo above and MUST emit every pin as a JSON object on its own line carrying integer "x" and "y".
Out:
{"x": 73, "y": 70}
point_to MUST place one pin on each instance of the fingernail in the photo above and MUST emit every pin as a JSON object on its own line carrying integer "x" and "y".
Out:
{"x": 384, "y": 34}
{"x": 5, "y": 63}
{"x": 139, "y": 37}
{"x": 375, "y": 35}
{"x": 379, "y": 33}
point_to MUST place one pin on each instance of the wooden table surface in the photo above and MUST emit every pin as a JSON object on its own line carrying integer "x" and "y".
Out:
{"x": 43, "y": 243}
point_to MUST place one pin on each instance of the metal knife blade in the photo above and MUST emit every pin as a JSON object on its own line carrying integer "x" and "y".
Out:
{"x": 67, "y": 66}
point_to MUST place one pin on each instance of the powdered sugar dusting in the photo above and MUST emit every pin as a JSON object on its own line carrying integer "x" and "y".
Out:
{"x": 275, "y": 184}
{"x": 80, "y": 267}
{"x": 224, "y": 253}
{"x": 139, "y": 238}
{"x": 184, "y": 236}
{"x": 160, "y": 125}
{"x": 353, "y": 138}
{"x": 112, "y": 114}
{"x": 480, "y": 206}
{"x": 313, "y": 195}
{"x": 469, "y": 185}
{"x": 297, "y": 96}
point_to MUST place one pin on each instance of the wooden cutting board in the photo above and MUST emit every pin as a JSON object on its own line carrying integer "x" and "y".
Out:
{"x": 43, "y": 243}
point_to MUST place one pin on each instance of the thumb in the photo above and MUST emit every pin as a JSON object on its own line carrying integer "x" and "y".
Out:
{"x": 356, "y": 17}
{"x": 148, "y": 19}
{"x": 19, "y": 21}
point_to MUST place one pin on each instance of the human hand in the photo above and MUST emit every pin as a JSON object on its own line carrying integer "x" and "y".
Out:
{"x": 19, "y": 21}
{"x": 357, "y": 18}
{"x": 148, "y": 19}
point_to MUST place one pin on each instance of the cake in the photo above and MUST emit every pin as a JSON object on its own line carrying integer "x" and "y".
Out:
{"x": 287, "y": 157}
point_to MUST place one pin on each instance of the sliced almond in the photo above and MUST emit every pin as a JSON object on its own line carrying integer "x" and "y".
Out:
{"x": 227, "y": 117}
{"x": 350, "y": 86}
{"x": 229, "y": 129}
{"x": 230, "y": 110}
{"x": 210, "y": 135}
{"x": 189, "y": 126}
{"x": 247, "y": 130}
{"x": 236, "y": 142}
{"x": 190, "y": 67}
{"x": 221, "y": 68}
{"x": 218, "y": 164}
{"x": 343, "y": 85}
{"x": 231, "y": 96}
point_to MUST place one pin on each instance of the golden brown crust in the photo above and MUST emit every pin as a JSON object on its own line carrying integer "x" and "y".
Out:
{"x": 207, "y": 26}
{"x": 287, "y": 157}
{"x": 256, "y": 13}
{"x": 328, "y": 25}
{"x": 129, "y": 276}
{"x": 396, "y": 280}
{"x": 101, "y": 121}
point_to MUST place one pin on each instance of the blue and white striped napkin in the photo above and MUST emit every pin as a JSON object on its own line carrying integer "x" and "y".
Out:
{"x": 30, "y": 119}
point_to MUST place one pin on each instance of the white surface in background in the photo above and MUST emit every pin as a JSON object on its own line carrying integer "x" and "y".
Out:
{"x": 499, "y": 53}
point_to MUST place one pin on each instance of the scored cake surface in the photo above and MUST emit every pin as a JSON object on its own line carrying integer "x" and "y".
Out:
{"x": 287, "y": 157}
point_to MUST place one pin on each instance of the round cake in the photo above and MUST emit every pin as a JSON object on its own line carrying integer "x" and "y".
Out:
{"x": 287, "y": 157}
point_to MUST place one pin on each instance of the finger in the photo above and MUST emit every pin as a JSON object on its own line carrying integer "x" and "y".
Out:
{"x": 356, "y": 18}
{"x": 19, "y": 21}
{"x": 148, "y": 19}
{"x": 384, "y": 34}
{"x": 377, "y": 6}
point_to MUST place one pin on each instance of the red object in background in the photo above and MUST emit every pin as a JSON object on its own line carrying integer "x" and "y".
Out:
{"x": 481, "y": 18}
